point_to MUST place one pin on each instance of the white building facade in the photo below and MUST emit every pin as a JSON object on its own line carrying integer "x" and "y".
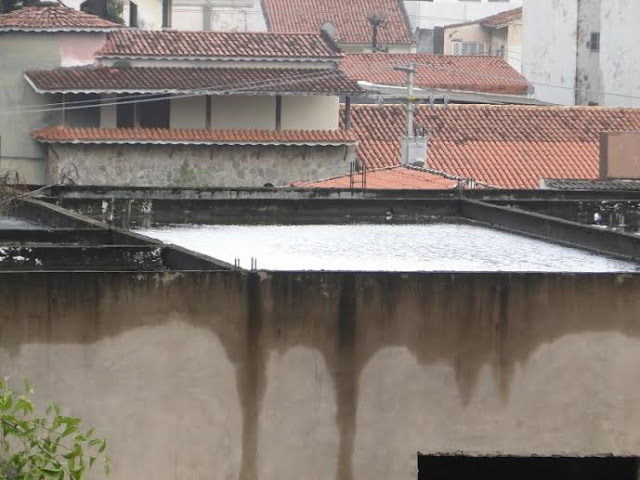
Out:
{"x": 583, "y": 52}
{"x": 427, "y": 14}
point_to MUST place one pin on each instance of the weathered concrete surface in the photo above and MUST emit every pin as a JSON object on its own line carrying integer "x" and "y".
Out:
{"x": 22, "y": 51}
{"x": 341, "y": 376}
{"x": 200, "y": 166}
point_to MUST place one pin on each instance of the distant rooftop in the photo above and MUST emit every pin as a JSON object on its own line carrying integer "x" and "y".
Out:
{"x": 53, "y": 17}
{"x": 400, "y": 177}
{"x": 504, "y": 146}
{"x": 204, "y": 44}
{"x": 587, "y": 184}
{"x": 487, "y": 74}
{"x": 493, "y": 21}
{"x": 241, "y": 81}
{"x": 178, "y": 136}
{"x": 348, "y": 17}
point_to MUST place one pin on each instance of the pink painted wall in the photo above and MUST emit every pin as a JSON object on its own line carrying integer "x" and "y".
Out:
{"x": 79, "y": 48}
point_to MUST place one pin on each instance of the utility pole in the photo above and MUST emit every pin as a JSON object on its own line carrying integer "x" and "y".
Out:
{"x": 410, "y": 70}
{"x": 376, "y": 21}
{"x": 414, "y": 149}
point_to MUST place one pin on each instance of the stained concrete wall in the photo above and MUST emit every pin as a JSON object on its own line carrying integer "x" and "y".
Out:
{"x": 200, "y": 166}
{"x": 608, "y": 77}
{"x": 20, "y": 51}
{"x": 219, "y": 15}
{"x": 329, "y": 376}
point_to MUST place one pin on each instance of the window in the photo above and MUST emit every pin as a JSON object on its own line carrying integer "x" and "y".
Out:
{"x": 133, "y": 14}
{"x": 594, "y": 42}
{"x": 467, "y": 48}
{"x": 153, "y": 112}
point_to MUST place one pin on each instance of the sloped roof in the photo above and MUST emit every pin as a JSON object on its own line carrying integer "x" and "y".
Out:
{"x": 501, "y": 18}
{"x": 178, "y": 136}
{"x": 505, "y": 146}
{"x": 241, "y": 81}
{"x": 206, "y": 44}
{"x": 348, "y": 17}
{"x": 596, "y": 184}
{"x": 470, "y": 73}
{"x": 400, "y": 177}
{"x": 53, "y": 17}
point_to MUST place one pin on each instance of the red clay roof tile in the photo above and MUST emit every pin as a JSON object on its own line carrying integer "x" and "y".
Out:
{"x": 487, "y": 74}
{"x": 90, "y": 135}
{"x": 243, "y": 81}
{"x": 504, "y": 146}
{"x": 502, "y": 18}
{"x": 406, "y": 178}
{"x": 53, "y": 17}
{"x": 348, "y": 17}
{"x": 205, "y": 44}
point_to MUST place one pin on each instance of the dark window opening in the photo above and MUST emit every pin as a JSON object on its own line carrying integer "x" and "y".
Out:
{"x": 125, "y": 113}
{"x": 431, "y": 467}
{"x": 153, "y": 111}
{"x": 133, "y": 14}
{"x": 83, "y": 111}
{"x": 594, "y": 42}
{"x": 166, "y": 13}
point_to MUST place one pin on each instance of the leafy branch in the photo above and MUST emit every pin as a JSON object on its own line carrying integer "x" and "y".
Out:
{"x": 52, "y": 446}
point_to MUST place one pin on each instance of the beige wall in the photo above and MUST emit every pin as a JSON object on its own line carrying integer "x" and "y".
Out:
{"x": 310, "y": 113}
{"x": 328, "y": 375}
{"x": 188, "y": 112}
{"x": 465, "y": 33}
{"x": 620, "y": 155}
{"x": 238, "y": 111}
{"x": 108, "y": 116}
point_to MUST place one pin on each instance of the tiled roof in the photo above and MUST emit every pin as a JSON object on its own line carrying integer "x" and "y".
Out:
{"x": 597, "y": 184}
{"x": 502, "y": 18}
{"x": 505, "y": 146}
{"x": 205, "y": 44}
{"x": 53, "y": 17}
{"x": 177, "y": 136}
{"x": 469, "y": 73}
{"x": 245, "y": 81}
{"x": 387, "y": 178}
{"x": 348, "y": 17}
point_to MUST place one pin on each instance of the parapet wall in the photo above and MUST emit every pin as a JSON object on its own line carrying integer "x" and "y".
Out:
{"x": 329, "y": 375}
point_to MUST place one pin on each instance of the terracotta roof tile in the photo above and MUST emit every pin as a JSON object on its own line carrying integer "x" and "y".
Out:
{"x": 487, "y": 74}
{"x": 502, "y": 18}
{"x": 504, "y": 146}
{"x": 205, "y": 44}
{"x": 348, "y": 17}
{"x": 53, "y": 17}
{"x": 90, "y": 135}
{"x": 246, "y": 81}
{"x": 399, "y": 177}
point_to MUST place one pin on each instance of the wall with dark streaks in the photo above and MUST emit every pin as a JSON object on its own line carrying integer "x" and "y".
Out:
{"x": 329, "y": 375}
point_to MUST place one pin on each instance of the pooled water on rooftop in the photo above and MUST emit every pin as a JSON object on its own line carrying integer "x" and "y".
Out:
{"x": 410, "y": 248}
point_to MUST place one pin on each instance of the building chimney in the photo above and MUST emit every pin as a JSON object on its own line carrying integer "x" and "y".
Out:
{"x": 620, "y": 155}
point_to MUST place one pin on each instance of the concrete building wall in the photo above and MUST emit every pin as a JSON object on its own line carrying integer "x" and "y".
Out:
{"x": 188, "y": 112}
{"x": 149, "y": 13}
{"x": 225, "y": 15}
{"x": 438, "y": 13}
{"x": 108, "y": 112}
{"x": 200, "y": 166}
{"x": 366, "y": 48}
{"x": 619, "y": 53}
{"x": 310, "y": 113}
{"x": 329, "y": 376}
{"x": 248, "y": 112}
{"x": 20, "y": 51}
{"x": 549, "y": 49}
{"x": 620, "y": 155}
{"x": 466, "y": 33}
{"x": 576, "y": 73}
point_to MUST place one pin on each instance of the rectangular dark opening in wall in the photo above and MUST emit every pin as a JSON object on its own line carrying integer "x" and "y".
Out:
{"x": 442, "y": 467}
{"x": 125, "y": 112}
{"x": 155, "y": 111}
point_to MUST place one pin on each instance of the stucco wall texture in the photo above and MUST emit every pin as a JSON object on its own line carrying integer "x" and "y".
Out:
{"x": 329, "y": 376}
{"x": 199, "y": 166}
